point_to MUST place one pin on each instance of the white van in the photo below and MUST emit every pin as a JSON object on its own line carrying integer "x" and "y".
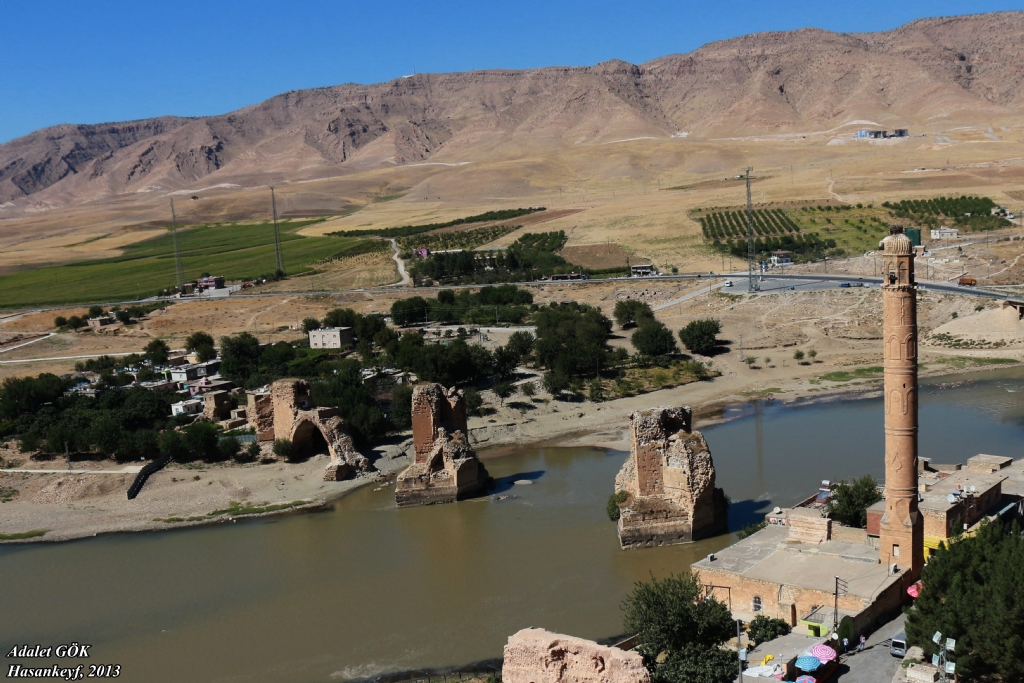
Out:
{"x": 898, "y": 645}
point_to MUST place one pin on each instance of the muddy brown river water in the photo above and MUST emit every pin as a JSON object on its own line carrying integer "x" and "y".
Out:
{"x": 364, "y": 588}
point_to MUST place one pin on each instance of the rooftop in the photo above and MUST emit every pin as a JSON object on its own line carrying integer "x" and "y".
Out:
{"x": 768, "y": 556}
{"x": 936, "y": 497}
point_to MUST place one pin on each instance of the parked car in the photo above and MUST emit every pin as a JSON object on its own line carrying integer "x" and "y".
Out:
{"x": 898, "y": 645}
{"x": 728, "y": 283}
{"x": 792, "y": 287}
{"x": 845, "y": 284}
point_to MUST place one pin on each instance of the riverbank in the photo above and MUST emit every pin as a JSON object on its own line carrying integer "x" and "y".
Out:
{"x": 60, "y": 507}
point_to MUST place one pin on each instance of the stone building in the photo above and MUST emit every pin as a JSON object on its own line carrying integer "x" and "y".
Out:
{"x": 287, "y": 412}
{"x": 670, "y": 479}
{"x": 534, "y": 655}
{"x": 444, "y": 468}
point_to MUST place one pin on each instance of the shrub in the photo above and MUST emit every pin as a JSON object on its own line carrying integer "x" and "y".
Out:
{"x": 750, "y": 530}
{"x": 629, "y": 312}
{"x": 503, "y": 390}
{"x": 653, "y": 338}
{"x": 614, "y": 501}
{"x": 229, "y": 448}
{"x": 762, "y": 629}
{"x": 798, "y": 355}
{"x": 596, "y": 390}
{"x": 60, "y": 321}
{"x": 171, "y": 443}
{"x": 528, "y": 389}
{"x": 283, "y": 448}
{"x": 249, "y": 453}
{"x": 95, "y": 311}
{"x": 474, "y": 402}
{"x": 401, "y": 407}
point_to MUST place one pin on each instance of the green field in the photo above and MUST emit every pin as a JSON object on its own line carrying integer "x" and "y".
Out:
{"x": 236, "y": 251}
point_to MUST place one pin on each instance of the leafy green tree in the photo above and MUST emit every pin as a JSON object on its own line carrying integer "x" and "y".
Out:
{"x": 506, "y": 360}
{"x": 521, "y": 343}
{"x": 283, "y": 448}
{"x": 24, "y": 395}
{"x": 74, "y": 322}
{"x": 629, "y": 312}
{"x": 310, "y": 324}
{"x": 812, "y": 354}
{"x": 249, "y": 453}
{"x": 597, "y": 389}
{"x": 555, "y": 382}
{"x": 229, "y": 448}
{"x": 198, "y": 339}
{"x": 202, "y": 440}
{"x": 474, "y": 402}
{"x": 681, "y": 631}
{"x": 528, "y": 389}
{"x": 157, "y": 351}
{"x": 762, "y": 629}
{"x": 798, "y": 355}
{"x": 972, "y": 593}
{"x": 60, "y": 321}
{"x": 205, "y": 353}
{"x": 701, "y": 336}
{"x": 849, "y": 502}
{"x": 240, "y": 356}
{"x": 654, "y": 339}
{"x": 503, "y": 390}
{"x": 401, "y": 407}
{"x": 571, "y": 339}
{"x": 172, "y": 443}
{"x": 95, "y": 311}
{"x": 123, "y": 317}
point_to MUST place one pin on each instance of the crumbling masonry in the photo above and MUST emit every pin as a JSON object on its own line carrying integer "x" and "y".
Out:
{"x": 445, "y": 469}
{"x": 534, "y": 655}
{"x": 287, "y": 412}
{"x": 670, "y": 479}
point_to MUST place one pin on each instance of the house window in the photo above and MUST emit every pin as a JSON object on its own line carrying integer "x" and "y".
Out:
{"x": 757, "y": 603}
{"x": 895, "y": 550}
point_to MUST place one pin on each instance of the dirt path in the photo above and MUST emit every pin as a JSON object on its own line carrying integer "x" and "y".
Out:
{"x": 401, "y": 267}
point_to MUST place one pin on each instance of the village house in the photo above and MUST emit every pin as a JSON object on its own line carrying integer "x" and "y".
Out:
{"x": 330, "y": 338}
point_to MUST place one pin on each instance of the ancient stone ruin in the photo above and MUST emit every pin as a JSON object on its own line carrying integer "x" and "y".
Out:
{"x": 670, "y": 481}
{"x": 537, "y": 656}
{"x": 287, "y": 412}
{"x": 445, "y": 469}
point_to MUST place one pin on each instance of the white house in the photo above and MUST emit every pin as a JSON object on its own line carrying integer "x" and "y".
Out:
{"x": 330, "y": 338}
{"x": 192, "y": 406}
{"x": 945, "y": 233}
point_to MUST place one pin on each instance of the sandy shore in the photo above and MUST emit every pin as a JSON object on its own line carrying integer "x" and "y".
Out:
{"x": 82, "y": 505}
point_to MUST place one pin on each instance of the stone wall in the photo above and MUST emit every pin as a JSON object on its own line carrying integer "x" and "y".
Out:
{"x": 538, "y": 656}
{"x": 809, "y": 526}
{"x": 217, "y": 405}
{"x": 445, "y": 469}
{"x": 287, "y": 412}
{"x": 670, "y": 479}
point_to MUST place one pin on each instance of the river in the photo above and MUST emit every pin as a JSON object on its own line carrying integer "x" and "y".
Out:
{"x": 364, "y": 588}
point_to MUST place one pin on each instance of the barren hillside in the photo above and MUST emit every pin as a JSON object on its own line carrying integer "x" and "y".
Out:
{"x": 929, "y": 73}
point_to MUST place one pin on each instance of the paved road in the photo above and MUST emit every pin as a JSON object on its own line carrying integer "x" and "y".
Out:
{"x": 875, "y": 664}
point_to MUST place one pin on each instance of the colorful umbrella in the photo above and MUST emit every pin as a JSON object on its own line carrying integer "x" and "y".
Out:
{"x": 823, "y": 652}
{"x": 807, "y": 663}
{"x": 915, "y": 590}
{"x": 806, "y": 679}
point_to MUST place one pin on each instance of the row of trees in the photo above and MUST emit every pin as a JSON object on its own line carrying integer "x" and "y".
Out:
{"x": 529, "y": 257}
{"x": 500, "y": 304}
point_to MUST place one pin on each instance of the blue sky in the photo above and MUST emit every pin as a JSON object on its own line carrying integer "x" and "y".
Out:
{"x": 68, "y": 61}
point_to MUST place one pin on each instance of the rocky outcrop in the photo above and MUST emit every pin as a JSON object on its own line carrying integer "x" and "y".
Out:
{"x": 444, "y": 468}
{"x": 287, "y": 412}
{"x": 670, "y": 479}
{"x": 537, "y": 656}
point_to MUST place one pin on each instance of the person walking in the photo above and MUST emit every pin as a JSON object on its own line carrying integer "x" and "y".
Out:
{"x": 863, "y": 642}
{"x": 846, "y": 645}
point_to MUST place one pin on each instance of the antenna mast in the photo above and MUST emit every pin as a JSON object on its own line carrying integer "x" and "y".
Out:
{"x": 277, "y": 234}
{"x": 177, "y": 252}
{"x": 752, "y": 285}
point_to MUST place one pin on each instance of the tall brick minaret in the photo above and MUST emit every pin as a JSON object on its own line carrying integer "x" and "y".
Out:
{"x": 902, "y": 528}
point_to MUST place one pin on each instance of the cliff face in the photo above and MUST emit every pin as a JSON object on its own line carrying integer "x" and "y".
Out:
{"x": 929, "y": 70}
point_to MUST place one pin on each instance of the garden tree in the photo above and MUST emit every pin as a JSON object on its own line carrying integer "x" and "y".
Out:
{"x": 409, "y": 311}
{"x": 473, "y": 401}
{"x": 700, "y": 336}
{"x": 123, "y": 317}
{"x": 240, "y": 356}
{"x": 95, "y": 311}
{"x": 652, "y": 338}
{"x": 229, "y": 448}
{"x": 23, "y": 395}
{"x": 310, "y": 324}
{"x": 74, "y": 322}
{"x": 629, "y": 312}
{"x": 401, "y": 407}
{"x": 762, "y": 629}
{"x": 972, "y": 593}
{"x": 798, "y": 355}
{"x": 503, "y": 390}
{"x": 386, "y": 339}
{"x": 812, "y": 354}
{"x": 571, "y": 340}
{"x": 528, "y": 389}
{"x": 506, "y": 360}
{"x": 198, "y": 339}
{"x": 451, "y": 364}
{"x": 849, "y": 502}
{"x": 363, "y": 326}
{"x": 202, "y": 440}
{"x": 283, "y": 448}
{"x": 157, "y": 351}
{"x": 681, "y": 630}
{"x": 60, "y": 321}
{"x": 521, "y": 343}
{"x": 596, "y": 390}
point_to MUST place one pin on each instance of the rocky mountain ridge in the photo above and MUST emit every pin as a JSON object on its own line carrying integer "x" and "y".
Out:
{"x": 929, "y": 72}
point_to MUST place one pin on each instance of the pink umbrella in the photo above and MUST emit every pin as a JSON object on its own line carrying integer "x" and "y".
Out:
{"x": 823, "y": 652}
{"x": 806, "y": 679}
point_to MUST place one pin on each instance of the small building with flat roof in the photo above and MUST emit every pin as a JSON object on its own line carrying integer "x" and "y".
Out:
{"x": 330, "y": 338}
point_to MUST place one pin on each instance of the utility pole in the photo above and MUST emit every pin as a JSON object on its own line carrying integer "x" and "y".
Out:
{"x": 740, "y": 652}
{"x": 177, "y": 253}
{"x": 752, "y": 285}
{"x": 277, "y": 234}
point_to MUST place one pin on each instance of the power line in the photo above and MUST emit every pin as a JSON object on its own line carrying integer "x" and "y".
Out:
{"x": 177, "y": 252}
{"x": 277, "y": 234}
{"x": 752, "y": 285}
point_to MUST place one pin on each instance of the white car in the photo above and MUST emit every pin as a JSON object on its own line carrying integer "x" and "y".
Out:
{"x": 728, "y": 283}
